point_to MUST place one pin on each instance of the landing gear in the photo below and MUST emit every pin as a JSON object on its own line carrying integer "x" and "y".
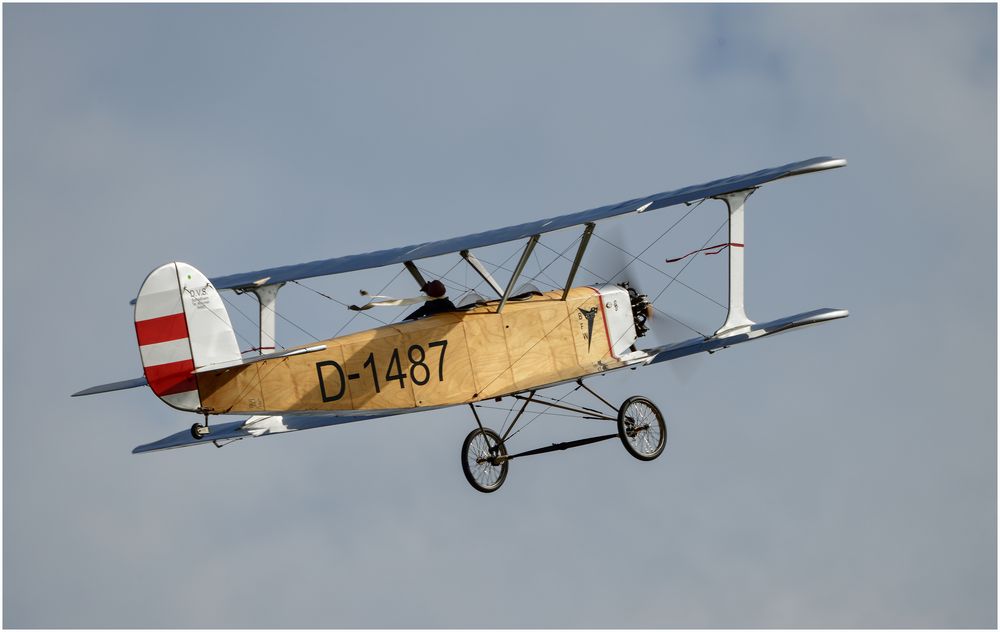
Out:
{"x": 199, "y": 431}
{"x": 484, "y": 453}
{"x": 641, "y": 428}
{"x": 484, "y": 460}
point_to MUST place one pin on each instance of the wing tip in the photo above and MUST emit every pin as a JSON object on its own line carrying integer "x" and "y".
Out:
{"x": 818, "y": 164}
{"x": 113, "y": 386}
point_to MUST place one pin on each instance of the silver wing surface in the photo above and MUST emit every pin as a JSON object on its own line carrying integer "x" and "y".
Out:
{"x": 261, "y": 425}
{"x": 264, "y": 425}
{"x": 413, "y": 252}
{"x": 758, "y": 330}
{"x": 114, "y": 386}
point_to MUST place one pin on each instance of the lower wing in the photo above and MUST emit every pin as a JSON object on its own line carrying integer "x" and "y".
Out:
{"x": 758, "y": 330}
{"x": 261, "y": 425}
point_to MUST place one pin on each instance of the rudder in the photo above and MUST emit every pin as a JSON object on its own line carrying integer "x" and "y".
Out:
{"x": 181, "y": 324}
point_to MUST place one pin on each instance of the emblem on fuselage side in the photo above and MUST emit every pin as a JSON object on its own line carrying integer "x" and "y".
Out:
{"x": 589, "y": 314}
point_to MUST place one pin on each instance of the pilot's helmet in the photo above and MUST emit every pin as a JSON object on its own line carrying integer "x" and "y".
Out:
{"x": 434, "y": 289}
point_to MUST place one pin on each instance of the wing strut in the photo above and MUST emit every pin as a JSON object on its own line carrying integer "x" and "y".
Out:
{"x": 267, "y": 298}
{"x": 518, "y": 270}
{"x": 412, "y": 269}
{"x": 584, "y": 240}
{"x": 482, "y": 271}
{"x": 737, "y": 321}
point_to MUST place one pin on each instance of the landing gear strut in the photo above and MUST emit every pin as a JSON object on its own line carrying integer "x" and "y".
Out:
{"x": 640, "y": 427}
{"x": 199, "y": 431}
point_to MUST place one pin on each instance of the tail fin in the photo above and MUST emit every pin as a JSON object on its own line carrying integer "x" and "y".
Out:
{"x": 181, "y": 324}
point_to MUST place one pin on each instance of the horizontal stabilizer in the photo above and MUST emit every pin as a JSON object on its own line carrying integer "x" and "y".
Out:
{"x": 257, "y": 426}
{"x": 267, "y": 356}
{"x": 114, "y": 386}
{"x": 759, "y": 330}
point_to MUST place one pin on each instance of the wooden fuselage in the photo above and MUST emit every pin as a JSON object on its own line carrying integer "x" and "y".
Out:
{"x": 448, "y": 358}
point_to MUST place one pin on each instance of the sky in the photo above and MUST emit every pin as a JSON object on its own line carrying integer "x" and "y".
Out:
{"x": 839, "y": 476}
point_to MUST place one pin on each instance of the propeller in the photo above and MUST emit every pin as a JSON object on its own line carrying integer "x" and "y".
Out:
{"x": 609, "y": 257}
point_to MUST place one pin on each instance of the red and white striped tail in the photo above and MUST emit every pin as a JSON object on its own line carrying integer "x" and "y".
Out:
{"x": 181, "y": 324}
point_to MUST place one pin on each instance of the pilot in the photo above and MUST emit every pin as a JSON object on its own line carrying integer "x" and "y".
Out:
{"x": 438, "y": 302}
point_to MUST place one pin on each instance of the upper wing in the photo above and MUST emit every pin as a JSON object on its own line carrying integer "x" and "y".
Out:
{"x": 413, "y": 252}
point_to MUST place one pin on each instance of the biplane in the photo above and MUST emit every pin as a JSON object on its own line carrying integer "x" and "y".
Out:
{"x": 511, "y": 346}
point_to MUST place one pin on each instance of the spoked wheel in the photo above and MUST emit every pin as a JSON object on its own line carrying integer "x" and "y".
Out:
{"x": 482, "y": 460}
{"x": 641, "y": 428}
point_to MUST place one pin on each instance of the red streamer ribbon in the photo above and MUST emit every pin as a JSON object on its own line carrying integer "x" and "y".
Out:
{"x": 716, "y": 249}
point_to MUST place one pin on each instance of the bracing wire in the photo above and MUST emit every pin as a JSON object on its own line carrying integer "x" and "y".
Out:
{"x": 240, "y": 312}
{"x": 289, "y": 321}
{"x": 339, "y": 302}
{"x": 673, "y": 278}
{"x": 563, "y": 256}
{"x": 687, "y": 263}
{"x": 351, "y": 319}
{"x": 535, "y": 278}
{"x": 551, "y": 414}
{"x": 662, "y": 235}
{"x": 542, "y": 412}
